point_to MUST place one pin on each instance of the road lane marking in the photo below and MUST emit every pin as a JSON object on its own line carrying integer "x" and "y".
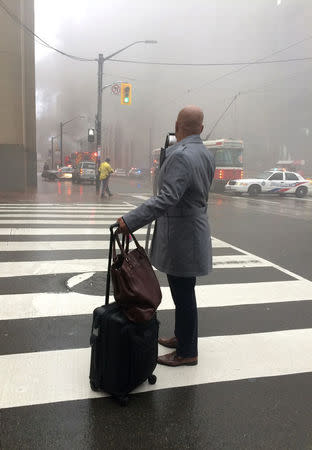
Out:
{"x": 261, "y": 200}
{"x": 64, "y": 205}
{"x": 265, "y": 261}
{"x": 63, "y": 375}
{"x": 35, "y": 305}
{"x": 86, "y": 216}
{"x": 55, "y": 245}
{"x": 53, "y": 231}
{"x": 9, "y": 246}
{"x": 59, "y": 212}
{"x": 77, "y": 279}
{"x": 27, "y": 268}
{"x": 89, "y": 221}
{"x": 141, "y": 197}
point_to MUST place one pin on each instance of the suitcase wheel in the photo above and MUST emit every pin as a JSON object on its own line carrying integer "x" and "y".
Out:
{"x": 93, "y": 386}
{"x": 123, "y": 401}
{"x": 152, "y": 379}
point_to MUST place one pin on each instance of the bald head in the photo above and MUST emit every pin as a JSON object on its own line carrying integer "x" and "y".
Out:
{"x": 189, "y": 121}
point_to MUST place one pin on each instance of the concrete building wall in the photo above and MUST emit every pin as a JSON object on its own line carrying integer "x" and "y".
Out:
{"x": 17, "y": 99}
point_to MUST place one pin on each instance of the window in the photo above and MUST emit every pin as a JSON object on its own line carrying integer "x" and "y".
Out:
{"x": 291, "y": 176}
{"x": 89, "y": 166}
{"x": 264, "y": 175}
{"x": 277, "y": 176}
{"x": 228, "y": 157}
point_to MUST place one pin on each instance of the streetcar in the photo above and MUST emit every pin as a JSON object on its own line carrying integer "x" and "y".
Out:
{"x": 228, "y": 154}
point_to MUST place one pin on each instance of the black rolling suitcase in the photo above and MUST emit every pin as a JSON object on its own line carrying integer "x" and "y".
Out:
{"x": 123, "y": 354}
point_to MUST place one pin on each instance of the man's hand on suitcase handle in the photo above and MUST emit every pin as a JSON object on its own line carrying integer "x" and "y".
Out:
{"x": 122, "y": 226}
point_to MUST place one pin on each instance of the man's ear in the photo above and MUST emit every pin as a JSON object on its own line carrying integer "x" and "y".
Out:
{"x": 202, "y": 127}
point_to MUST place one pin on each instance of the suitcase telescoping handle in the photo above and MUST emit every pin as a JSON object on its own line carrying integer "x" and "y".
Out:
{"x": 110, "y": 254}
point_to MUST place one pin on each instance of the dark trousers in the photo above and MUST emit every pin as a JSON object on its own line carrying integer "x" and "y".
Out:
{"x": 186, "y": 323}
{"x": 104, "y": 187}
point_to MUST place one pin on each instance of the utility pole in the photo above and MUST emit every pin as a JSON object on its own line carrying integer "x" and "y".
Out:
{"x": 150, "y": 148}
{"x": 100, "y": 62}
{"x": 52, "y": 153}
{"x": 99, "y": 105}
{"x": 61, "y": 143}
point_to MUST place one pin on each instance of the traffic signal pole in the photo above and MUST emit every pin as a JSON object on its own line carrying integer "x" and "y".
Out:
{"x": 99, "y": 103}
{"x": 100, "y": 62}
{"x": 61, "y": 143}
{"x": 99, "y": 118}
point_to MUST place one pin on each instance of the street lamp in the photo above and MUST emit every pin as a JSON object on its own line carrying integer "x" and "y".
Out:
{"x": 100, "y": 61}
{"x": 62, "y": 124}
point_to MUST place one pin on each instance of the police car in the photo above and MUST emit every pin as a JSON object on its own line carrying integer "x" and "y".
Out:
{"x": 270, "y": 182}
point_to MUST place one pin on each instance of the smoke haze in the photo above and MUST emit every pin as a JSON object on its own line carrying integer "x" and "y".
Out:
{"x": 272, "y": 113}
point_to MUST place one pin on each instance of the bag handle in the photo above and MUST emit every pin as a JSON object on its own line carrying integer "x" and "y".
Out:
{"x": 110, "y": 253}
{"x": 125, "y": 240}
{"x": 126, "y": 250}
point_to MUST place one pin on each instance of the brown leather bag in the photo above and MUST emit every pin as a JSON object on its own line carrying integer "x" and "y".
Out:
{"x": 136, "y": 288}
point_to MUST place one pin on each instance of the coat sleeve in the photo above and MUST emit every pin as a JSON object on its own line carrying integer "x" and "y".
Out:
{"x": 176, "y": 181}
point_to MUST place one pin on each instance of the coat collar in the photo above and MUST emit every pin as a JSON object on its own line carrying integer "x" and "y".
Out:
{"x": 193, "y": 138}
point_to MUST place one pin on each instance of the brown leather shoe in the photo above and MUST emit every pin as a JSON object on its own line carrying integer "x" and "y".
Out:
{"x": 173, "y": 360}
{"x": 170, "y": 343}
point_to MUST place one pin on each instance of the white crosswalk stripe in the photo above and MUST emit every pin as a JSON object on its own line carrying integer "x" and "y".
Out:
{"x": 34, "y": 305}
{"x": 70, "y": 245}
{"x": 60, "y": 375}
{"x": 57, "y": 376}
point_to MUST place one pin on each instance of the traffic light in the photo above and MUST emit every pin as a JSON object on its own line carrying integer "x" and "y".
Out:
{"x": 91, "y": 135}
{"x": 125, "y": 93}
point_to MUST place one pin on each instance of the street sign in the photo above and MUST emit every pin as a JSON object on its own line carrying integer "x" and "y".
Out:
{"x": 116, "y": 89}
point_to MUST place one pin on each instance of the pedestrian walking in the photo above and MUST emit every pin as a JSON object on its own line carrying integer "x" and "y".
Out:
{"x": 181, "y": 245}
{"x": 105, "y": 170}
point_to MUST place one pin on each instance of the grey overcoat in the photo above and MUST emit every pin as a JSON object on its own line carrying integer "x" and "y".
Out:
{"x": 181, "y": 244}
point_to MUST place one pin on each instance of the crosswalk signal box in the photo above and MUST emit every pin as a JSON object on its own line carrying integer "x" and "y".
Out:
{"x": 126, "y": 93}
{"x": 91, "y": 135}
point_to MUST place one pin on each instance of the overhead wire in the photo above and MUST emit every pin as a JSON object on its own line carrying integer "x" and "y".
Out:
{"x": 211, "y": 82}
{"x": 38, "y": 39}
{"x": 222, "y": 115}
{"x": 160, "y": 63}
{"x": 41, "y": 41}
{"x": 208, "y": 83}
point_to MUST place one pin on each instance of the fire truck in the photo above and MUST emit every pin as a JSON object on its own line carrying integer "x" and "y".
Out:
{"x": 77, "y": 157}
{"x": 228, "y": 155}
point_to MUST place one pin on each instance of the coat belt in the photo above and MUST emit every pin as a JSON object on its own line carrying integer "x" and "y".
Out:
{"x": 175, "y": 211}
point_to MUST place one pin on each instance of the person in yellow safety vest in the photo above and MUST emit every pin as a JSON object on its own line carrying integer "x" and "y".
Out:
{"x": 105, "y": 170}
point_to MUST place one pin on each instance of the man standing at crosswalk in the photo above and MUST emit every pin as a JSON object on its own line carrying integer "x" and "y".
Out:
{"x": 181, "y": 245}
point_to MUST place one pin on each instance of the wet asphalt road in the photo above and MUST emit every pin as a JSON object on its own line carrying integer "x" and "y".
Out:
{"x": 266, "y": 406}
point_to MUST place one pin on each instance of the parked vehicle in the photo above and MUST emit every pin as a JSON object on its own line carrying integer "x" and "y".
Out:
{"x": 85, "y": 171}
{"x": 49, "y": 175}
{"x": 65, "y": 173}
{"x": 271, "y": 182}
{"x": 119, "y": 173}
{"x": 136, "y": 172}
